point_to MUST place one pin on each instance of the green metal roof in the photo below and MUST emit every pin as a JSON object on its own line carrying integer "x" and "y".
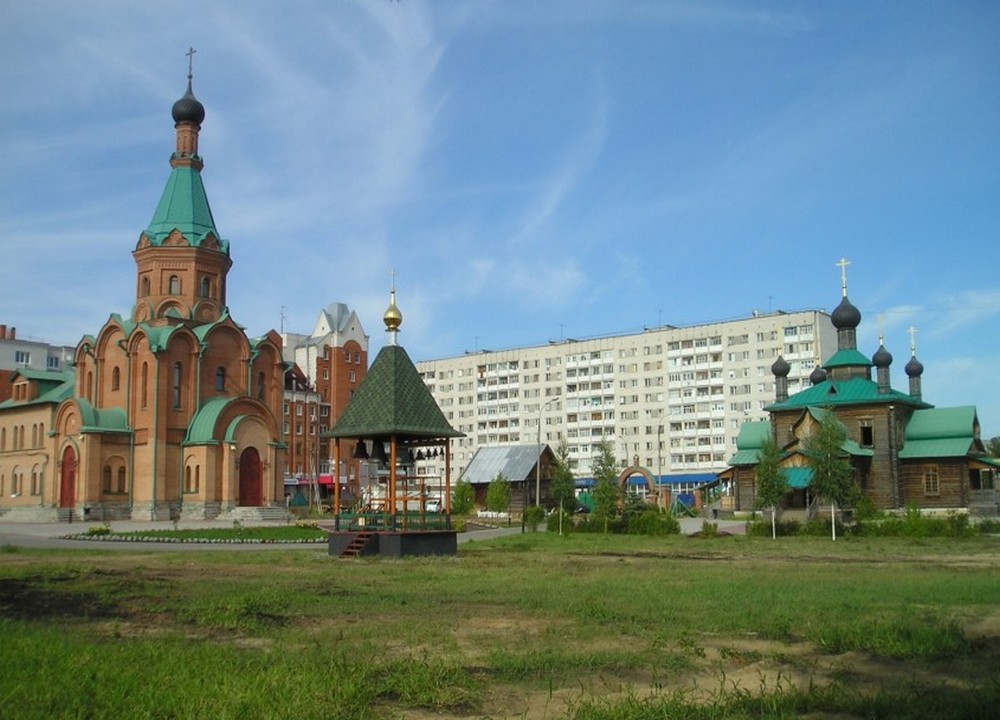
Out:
{"x": 201, "y": 429}
{"x": 53, "y": 386}
{"x": 101, "y": 420}
{"x": 392, "y": 400}
{"x": 184, "y": 207}
{"x": 798, "y": 477}
{"x": 855, "y": 391}
{"x": 940, "y": 432}
{"x": 847, "y": 358}
{"x": 749, "y": 442}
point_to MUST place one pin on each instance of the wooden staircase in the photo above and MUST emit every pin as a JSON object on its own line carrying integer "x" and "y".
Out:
{"x": 357, "y": 544}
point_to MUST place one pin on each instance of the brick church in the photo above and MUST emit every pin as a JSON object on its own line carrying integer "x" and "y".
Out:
{"x": 170, "y": 412}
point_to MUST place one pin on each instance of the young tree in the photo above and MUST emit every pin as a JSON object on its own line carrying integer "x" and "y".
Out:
{"x": 463, "y": 498}
{"x": 833, "y": 477}
{"x": 606, "y": 493}
{"x": 562, "y": 483}
{"x": 771, "y": 482}
{"x": 993, "y": 447}
{"x": 498, "y": 494}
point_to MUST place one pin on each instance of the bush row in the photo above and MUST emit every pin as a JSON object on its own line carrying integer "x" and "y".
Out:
{"x": 912, "y": 524}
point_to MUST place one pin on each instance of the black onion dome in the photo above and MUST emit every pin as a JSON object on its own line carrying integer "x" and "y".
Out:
{"x": 817, "y": 376}
{"x": 882, "y": 357}
{"x": 914, "y": 368}
{"x": 781, "y": 368}
{"x": 188, "y": 109}
{"x": 845, "y": 315}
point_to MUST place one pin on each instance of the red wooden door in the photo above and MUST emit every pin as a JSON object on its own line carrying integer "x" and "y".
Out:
{"x": 250, "y": 478}
{"x": 67, "y": 479}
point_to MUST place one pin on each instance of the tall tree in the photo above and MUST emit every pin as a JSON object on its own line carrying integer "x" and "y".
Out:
{"x": 771, "y": 482}
{"x": 993, "y": 447}
{"x": 833, "y": 476}
{"x": 606, "y": 493}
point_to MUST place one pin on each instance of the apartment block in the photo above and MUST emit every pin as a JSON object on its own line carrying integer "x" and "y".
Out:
{"x": 671, "y": 398}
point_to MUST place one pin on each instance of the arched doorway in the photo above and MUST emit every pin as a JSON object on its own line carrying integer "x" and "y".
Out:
{"x": 250, "y": 478}
{"x": 67, "y": 479}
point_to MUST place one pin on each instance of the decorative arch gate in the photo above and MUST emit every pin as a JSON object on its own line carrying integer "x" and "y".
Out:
{"x": 659, "y": 495}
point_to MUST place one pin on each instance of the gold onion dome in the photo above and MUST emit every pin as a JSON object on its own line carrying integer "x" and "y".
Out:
{"x": 392, "y": 318}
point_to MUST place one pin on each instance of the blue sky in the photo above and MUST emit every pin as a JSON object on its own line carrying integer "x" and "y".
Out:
{"x": 530, "y": 170}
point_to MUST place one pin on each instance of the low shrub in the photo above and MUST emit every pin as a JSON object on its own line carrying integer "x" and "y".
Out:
{"x": 761, "y": 527}
{"x": 98, "y": 530}
{"x": 653, "y": 522}
{"x": 533, "y": 517}
{"x": 914, "y": 524}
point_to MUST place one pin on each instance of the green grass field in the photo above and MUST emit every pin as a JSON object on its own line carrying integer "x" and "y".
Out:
{"x": 532, "y": 626}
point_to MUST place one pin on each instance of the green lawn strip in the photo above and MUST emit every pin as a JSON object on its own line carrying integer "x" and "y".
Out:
{"x": 287, "y": 533}
{"x": 440, "y": 632}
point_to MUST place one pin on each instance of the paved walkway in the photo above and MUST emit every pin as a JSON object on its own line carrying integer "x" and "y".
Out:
{"x": 53, "y": 535}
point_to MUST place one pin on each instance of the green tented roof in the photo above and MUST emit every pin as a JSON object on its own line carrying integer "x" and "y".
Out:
{"x": 847, "y": 358}
{"x": 184, "y": 207}
{"x": 392, "y": 400}
{"x": 940, "y": 432}
{"x": 855, "y": 391}
{"x": 749, "y": 442}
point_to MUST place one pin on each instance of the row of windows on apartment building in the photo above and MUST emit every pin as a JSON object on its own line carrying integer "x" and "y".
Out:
{"x": 324, "y": 410}
{"x": 313, "y": 429}
{"x": 17, "y": 437}
{"x": 22, "y": 358}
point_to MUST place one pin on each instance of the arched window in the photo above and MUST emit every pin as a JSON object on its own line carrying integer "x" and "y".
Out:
{"x": 89, "y": 389}
{"x": 35, "y": 488}
{"x": 34, "y": 435}
{"x": 174, "y": 285}
{"x": 187, "y": 479}
{"x": 176, "y": 384}
{"x": 144, "y": 286}
{"x": 220, "y": 379}
{"x": 121, "y": 479}
{"x": 116, "y": 377}
{"x": 260, "y": 386}
{"x": 206, "y": 286}
{"x": 145, "y": 384}
{"x": 107, "y": 478}
{"x": 3, "y": 441}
